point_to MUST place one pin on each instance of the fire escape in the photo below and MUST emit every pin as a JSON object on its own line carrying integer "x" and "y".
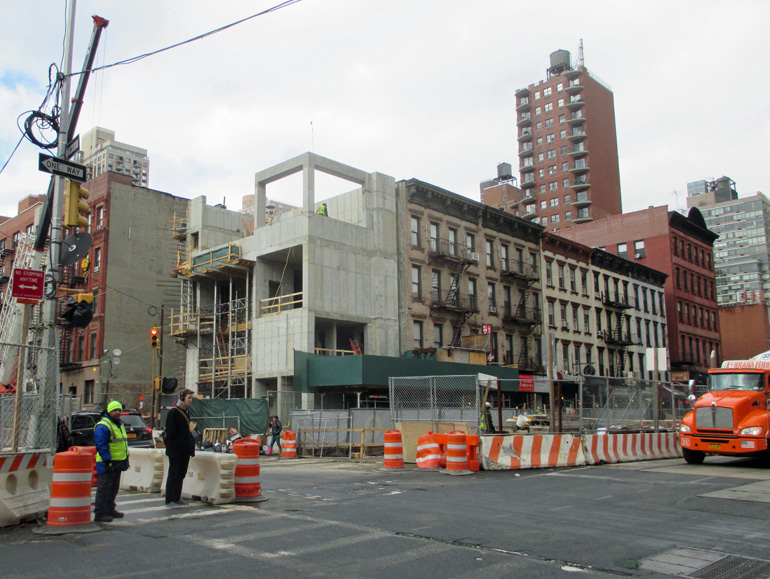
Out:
{"x": 522, "y": 316}
{"x": 457, "y": 259}
{"x": 618, "y": 337}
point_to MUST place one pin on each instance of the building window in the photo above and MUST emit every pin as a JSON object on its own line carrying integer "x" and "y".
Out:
{"x": 548, "y": 274}
{"x": 416, "y": 335}
{"x": 504, "y": 257}
{"x": 92, "y": 347}
{"x": 560, "y": 269}
{"x": 472, "y": 295}
{"x": 452, "y": 241}
{"x": 639, "y": 249}
{"x": 572, "y": 280}
{"x": 508, "y": 349}
{"x": 415, "y": 231}
{"x": 551, "y": 315}
{"x": 470, "y": 242}
{"x": 435, "y": 285}
{"x": 587, "y": 320}
{"x": 434, "y": 237}
{"x": 99, "y": 217}
{"x": 97, "y": 259}
{"x": 548, "y": 107}
{"x": 564, "y": 316}
{"x": 491, "y": 298}
{"x": 416, "y": 289}
{"x": 555, "y": 218}
{"x": 489, "y": 247}
{"x": 554, "y": 202}
{"x": 547, "y": 92}
{"x": 438, "y": 335}
{"x": 623, "y": 250}
{"x": 88, "y": 392}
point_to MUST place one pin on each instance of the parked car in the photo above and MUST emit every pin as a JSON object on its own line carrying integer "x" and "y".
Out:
{"x": 82, "y": 426}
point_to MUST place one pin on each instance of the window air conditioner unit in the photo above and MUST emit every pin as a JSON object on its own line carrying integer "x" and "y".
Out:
{"x": 492, "y": 309}
{"x": 473, "y": 256}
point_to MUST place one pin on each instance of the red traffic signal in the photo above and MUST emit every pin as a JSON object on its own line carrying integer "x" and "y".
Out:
{"x": 154, "y": 338}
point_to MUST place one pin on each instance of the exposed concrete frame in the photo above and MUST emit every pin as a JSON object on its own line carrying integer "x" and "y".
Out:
{"x": 308, "y": 163}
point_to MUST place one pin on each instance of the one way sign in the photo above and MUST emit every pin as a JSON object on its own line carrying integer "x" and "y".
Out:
{"x": 61, "y": 167}
{"x": 27, "y": 286}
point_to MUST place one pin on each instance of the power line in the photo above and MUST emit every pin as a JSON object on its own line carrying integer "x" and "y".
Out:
{"x": 284, "y": 4}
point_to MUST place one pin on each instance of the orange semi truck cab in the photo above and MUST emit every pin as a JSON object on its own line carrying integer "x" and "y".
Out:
{"x": 733, "y": 417}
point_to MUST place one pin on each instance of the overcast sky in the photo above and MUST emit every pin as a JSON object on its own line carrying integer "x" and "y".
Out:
{"x": 411, "y": 88}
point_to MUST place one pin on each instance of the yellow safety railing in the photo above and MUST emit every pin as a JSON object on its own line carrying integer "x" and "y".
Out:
{"x": 278, "y": 304}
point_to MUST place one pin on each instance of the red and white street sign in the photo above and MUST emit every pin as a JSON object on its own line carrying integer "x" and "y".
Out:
{"x": 27, "y": 286}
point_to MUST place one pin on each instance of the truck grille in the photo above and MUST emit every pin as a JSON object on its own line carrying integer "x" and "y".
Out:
{"x": 714, "y": 417}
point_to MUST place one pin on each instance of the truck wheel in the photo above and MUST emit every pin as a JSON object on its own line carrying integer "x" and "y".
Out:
{"x": 693, "y": 456}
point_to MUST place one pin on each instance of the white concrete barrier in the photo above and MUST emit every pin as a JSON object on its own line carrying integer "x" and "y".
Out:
{"x": 146, "y": 471}
{"x": 25, "y": 487}
{"x": 611, "y": 448}
{"x": 517, "y": 451}
{"x": 210, "y": 478}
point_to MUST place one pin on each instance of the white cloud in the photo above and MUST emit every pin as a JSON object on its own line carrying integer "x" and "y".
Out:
{"x": 412, "y": 89}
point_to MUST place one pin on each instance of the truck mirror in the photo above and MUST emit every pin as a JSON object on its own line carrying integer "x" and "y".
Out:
{"x": 692, "y": 398}
{"x": 691, "y": 386}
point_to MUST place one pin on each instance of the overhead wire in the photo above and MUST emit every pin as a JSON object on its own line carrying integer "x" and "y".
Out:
{"x": 134, "y": 59}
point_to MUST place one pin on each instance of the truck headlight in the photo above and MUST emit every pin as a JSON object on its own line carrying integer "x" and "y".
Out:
{"x": 753, "y": 431}
{"x": 684, "y": 428}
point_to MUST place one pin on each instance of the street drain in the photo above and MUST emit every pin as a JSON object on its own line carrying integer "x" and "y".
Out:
{"x": 732, "y": 567}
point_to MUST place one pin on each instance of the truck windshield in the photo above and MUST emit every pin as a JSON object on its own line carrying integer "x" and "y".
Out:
{"x": 736, "y": 381}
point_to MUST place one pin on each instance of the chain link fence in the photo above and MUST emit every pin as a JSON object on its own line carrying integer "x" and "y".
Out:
{"x": 486, "y": 404}
{"x": 28, "y": 416}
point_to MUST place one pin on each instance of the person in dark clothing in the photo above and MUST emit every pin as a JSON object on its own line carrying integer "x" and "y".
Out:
{"x": 63, "y": 438}
{"x": 275, "y": 435}
{"x": 180, "y": 447}
{"x": 111, "y": 445}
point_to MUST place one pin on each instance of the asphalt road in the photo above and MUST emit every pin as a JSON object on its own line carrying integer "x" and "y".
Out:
{"x": 327, "y": 518}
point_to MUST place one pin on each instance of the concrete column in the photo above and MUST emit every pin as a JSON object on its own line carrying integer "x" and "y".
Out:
{"x": 260, "y": 202}
{"x": 308, "y": 186}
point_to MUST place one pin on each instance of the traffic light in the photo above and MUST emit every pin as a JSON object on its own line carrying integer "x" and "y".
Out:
{"x": 78, "y": 310}
{"x": 155, "y": 338}
{"x": 75, "y": 209}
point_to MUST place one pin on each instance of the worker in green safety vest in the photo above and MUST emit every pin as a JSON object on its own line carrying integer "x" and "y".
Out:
{"x": 111, "y": 460}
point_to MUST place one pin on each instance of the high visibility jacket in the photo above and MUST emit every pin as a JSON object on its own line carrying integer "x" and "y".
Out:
{"x": 118, "y": 440}
{"x": 321, "y": 210}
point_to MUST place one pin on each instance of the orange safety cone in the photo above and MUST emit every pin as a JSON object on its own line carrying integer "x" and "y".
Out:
{"x": 456, "y": 454}
{"x": 248, "y": 489}
{"x": 394, "y": 451}
{"x": 428, "y": 452}
{"x": 70, "y": 504}
{"x": 288, "y": 444}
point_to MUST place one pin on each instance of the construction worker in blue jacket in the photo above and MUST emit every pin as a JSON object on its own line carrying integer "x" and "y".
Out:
{"x": 111, "y": 460}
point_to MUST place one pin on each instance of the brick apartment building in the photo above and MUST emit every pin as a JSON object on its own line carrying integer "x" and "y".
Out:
{"x": 568, "y": 151}
{"x": 682, "y": 248}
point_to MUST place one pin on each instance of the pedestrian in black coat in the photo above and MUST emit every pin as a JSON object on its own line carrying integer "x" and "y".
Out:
{"x": 180, "y": 447}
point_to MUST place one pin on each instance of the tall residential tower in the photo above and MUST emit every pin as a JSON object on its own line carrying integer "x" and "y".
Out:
{"x": 568, "y": 150}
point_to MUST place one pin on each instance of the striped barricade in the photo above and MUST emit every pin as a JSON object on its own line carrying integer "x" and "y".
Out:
{"x": 25, "y": 483}
{"x": 611, "y": 448}
{"x": 514, "y": 452}
{"x": 146, "y": 471}
{"x": 210, "y": 478}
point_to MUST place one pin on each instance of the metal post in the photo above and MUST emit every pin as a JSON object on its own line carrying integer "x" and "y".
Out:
{"x": 551, "y": 385}
{"x": 22, "y": 363}
{"x": 655, "y": 392}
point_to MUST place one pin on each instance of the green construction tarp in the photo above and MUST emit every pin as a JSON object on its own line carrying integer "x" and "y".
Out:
{"x": 247, "y": 415}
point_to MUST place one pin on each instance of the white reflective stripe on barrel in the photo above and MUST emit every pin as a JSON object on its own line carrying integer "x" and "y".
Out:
{"x": 247, "y": 461}
{"x": 72, "y": 477}
{"x": 393, "y": 445}
{"x": 429, "y": 457}
{"x": 393, "y": 456}
{"x": 455, "y": 447}
{"x": 78, "y": 502}
{"x": 430, "y": 445}
{"x": 244, "y": 480}
{"x": 456, "y": 458}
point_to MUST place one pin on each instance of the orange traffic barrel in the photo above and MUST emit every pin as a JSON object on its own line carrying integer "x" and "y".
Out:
{"x": 92, "y": 450}
{"x": 247, "y": 486}
{"x": 394, "y": 450}
{"x": 71, "y": 489}
{"x": 456, "y": 453}
{"x": 428, "y": 452}
{"x": 288, "y": 444}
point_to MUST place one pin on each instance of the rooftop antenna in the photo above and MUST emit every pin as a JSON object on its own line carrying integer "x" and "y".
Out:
{"x": 312, "y": 138}
{"x": 580, "y": 61}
